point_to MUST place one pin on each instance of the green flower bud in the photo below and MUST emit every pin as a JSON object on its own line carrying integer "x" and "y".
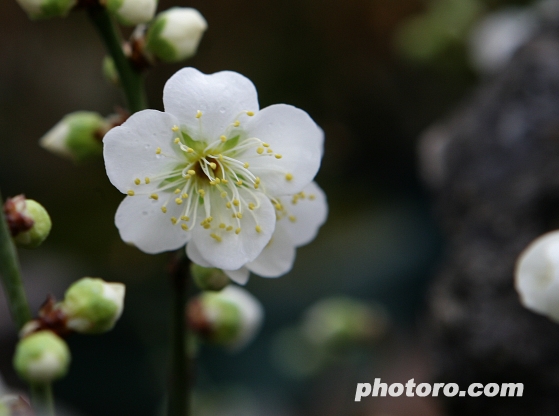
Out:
{"x": 340, "y": 322}
{"x": 175, "y": 34}
{"x": 29, "y": 221}
{"x": 92, "y": 305}
{"x": 230, "y": 318}
{"x": 77, "y": 136}
{"x": 109, "y": 70}
{"x": 41, "y": 357}
{"x": 132, "y": 12}
{"x": 44, "y": 9}
{"x": 208, "y": 278}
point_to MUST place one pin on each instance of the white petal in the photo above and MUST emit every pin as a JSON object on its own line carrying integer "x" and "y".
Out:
{"x": 194, "y": 254}
{"x": 141, "y": 223}
{"x": 220, "y": 97}
{"x": 308, "y": 213}
{"x": 130, "y": 149}
{"x": 296, "y": 137}
{"x": 239, "y": 276}
{"x": 234, "y": 250}
{"x": 537, "y": 275}
{"x": 277, "y": 257}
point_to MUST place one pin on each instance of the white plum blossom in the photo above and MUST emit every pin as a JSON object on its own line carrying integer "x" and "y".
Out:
{"x": 537, "y": 276}
{"x": 209, "y": 169}
{"x": 299, "y": 217}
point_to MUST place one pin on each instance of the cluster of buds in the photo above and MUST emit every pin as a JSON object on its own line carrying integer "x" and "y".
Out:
{"x": 229, "y": 318}
{"x": 28, "y": 221}
{"x": 90, "y": 306}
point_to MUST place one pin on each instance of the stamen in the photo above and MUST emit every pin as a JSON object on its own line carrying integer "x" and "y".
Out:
{"x": 222, "y": 225}
{"x": 131, "y": 193}
{"x": 223, "y": 139}
{"x": 238, "y": 230}
{"x": 288, "y": 176}
{"x": 250, "y": 113}
{"x": 292, "y": 218}
{"x": 158, "y": 151}
{"x": 184, "y": 196}
{"x": 260, "y": 150}
{"x": 229, "y": 228}
{"x": 137, "y": 181}
{"x": 265, "y": 144}
{"x": 278, "y": 156}
{"x": 147, "y": 180}
{"x": 178, "y": 201}
{"x": 251, "y": 205}
{"x": 177, "y": 140}
{"x": 237, "y": 123}
{"x": 191, "y": 172}
{"x": 175, "y": 128}
{"x": 198, "y": 114}
{"x": 258, "y": 229}
{"x": 216, "y": 237}
{"x": 177, "y": 191}
{"x": 154, "y": 196}
{"x": 184, "y": 227}
{"x": 164, "y": 209}
{"x": 312, "y": 197}
{"x": 173, "y": 220}
{"x": 269, "y": 150}
{"x": 246, "y": 165}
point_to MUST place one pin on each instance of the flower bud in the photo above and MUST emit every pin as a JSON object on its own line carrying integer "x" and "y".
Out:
{"x": 77, "y": 136}
{"x": 132, "y": 12}
{"x": 229, "y": 318}
{"x": 537, "y": 276}
{"x": 340, "y": 322}
{"x": 109, "y": 70}
{"x": 175, "y": 34}
{"x": 93, "y": 306}
{"x": 41, "y": 357}
{"x": 29, "y": 221}
{"x": 44, "y": 9}
{"x": 208, "y": 278}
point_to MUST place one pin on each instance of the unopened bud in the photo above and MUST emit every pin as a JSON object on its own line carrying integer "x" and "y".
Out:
{"x": 339, "y": 322}
{"x": 44, "y": 9}
{"x": 77, "y": 136}
{"x": 93, "y": 306}
{"x": 28, "y": 221}
{"x": 209, "y": 278}
{"x": 229, "y": 318}
{"x": 41, "y": 357}
{"x": 132, "y": 12}
{"x": 175, "y": 34}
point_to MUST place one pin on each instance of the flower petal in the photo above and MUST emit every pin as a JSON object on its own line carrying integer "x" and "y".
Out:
{"x": 239, "y": 276}
{"x": 141, "y": 223}
{"x": 292, "y": 134}
{"x": 194, "y": 255}
{"x": 220, "y": 97}
{"x": 130, "y": 149}
{"x": 305, "y": 215}
{"x": 233, "y": 250}
{"x": 277, "y": 257}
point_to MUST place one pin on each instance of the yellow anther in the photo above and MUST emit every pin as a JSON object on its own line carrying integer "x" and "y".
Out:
{"x": 251, "y": 205}
{"x": 201, "y": 192}
{"x": 154, "y": 196}
{"x": 184, "y": 196}
{"x": 184, "y": 227}
{"x": 131, "y": 193}
{"x": 173, "y": 220}
{"x": 209, "y": 219}
{"x": 237, "y": 231}
{"x": 223, "y": 139}
{"x": 177, "y": 140}
{"x": 217, "y": 180}
{"x": 246, "y": 165}
{"x": 175, "y": 128}
{"x": 292, "y": 218}
{"x": 250, "y": 113}
{"x": 178, "y": 201}
{"x": 236, "y": 202}
{"x": 137, "y": 181}
{"x": 260, "y": 150}
{"x": 278, "y": 156}
{"x": 302, "y": 195}
{"x": 158, "y": 151}
{"x": 258, "y": 229}
{"x": 213, "y": 182}
{"x": 191, "y": 172}
{"x": 198, "y": 114}
{"x": 177, "y": 191}
{"x": 164, "y": 210}
{"x": 256, "y": 186}
{"x": 239, "y": 215}
{"x": 222, "y": 225}
{"x": 229, "y": 228}
{"x": 223, "y": 194}
{"x": 266, "y": 144}
{"x": 237, "y": 123}
{"x": 233, "y": 215}
{"x": 239, "y": 182}
{"x": 228, "y": 205}
{"x": 288, "y": 176}
{"x": 257, "y": 180}
{"x": 189, "y": 150}
{"x": 278, "y": 206}
{"x": 147, "y": 180}
{"x": 269, "y": 151}
{"x": 220, "y": 157}
{"x": 312, "y": 197}
{"x": 216, "y": 237}
{"x": 187, "y": 177}
{"x": 206, "y": 226}
{"x": 185, "y": 218}
{"x": 213, "y": 165}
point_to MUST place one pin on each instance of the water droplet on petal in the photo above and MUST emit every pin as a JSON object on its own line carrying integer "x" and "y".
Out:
{"x": 222, "y": 110}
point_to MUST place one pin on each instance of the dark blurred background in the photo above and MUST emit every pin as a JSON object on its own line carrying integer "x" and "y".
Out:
{"x": 367, "y": 75}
